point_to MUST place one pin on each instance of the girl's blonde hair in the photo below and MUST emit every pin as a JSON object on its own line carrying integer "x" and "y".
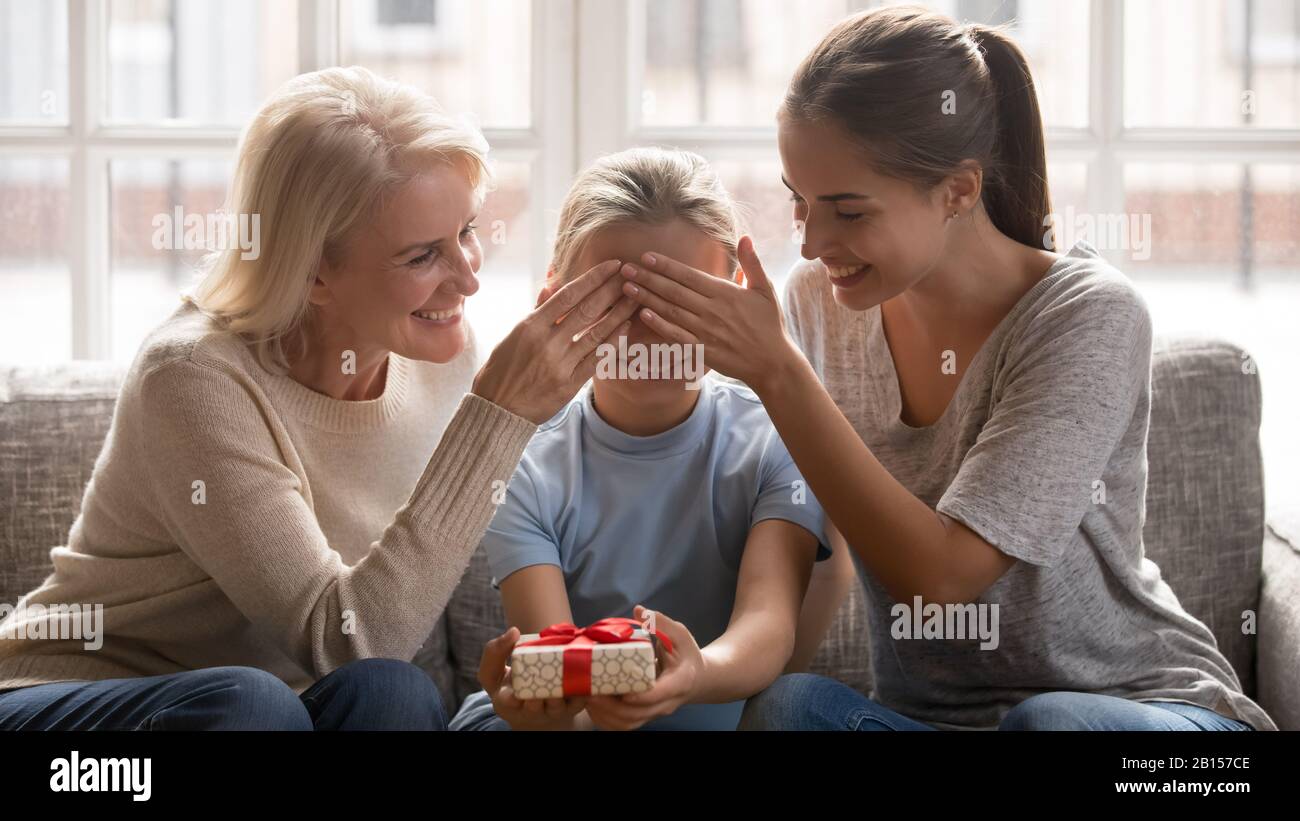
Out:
{"x": 314, "y": 164}
{"x": 651, "y": 186}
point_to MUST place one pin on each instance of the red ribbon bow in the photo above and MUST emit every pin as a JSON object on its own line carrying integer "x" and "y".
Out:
{"x": 578, "y": 641}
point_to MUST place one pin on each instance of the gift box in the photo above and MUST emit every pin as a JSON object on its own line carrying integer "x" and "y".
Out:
{"x": 609, "y": 657}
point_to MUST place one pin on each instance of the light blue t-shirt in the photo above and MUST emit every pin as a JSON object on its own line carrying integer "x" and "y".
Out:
{"x": 655, "y": 520}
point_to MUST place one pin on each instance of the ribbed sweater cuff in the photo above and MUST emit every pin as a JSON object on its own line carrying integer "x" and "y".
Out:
{"x": 481, "y": 445}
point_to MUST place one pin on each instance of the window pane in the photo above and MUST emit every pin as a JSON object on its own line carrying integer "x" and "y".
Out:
{"x": 1068, "y": 187}
{"x": 1225, "y": 262}
{"x": 1224, "y": 221}
{"x": 1275, "y": 221}
{"x": 507, "y": 280}
{"x": 198, "y": 62}
{"x": 768, "y": 213}
{"x": 472, "y": 55}
{"x": 727, "y": 62}
{"x": 33, "y": 62}
{"x": 36, "y": 307}
{"x": 1209, "y": 63}
{"x": 1068, "y": 183}
{"x": 1195, "y": 216}
{"x": 155, "y": 254}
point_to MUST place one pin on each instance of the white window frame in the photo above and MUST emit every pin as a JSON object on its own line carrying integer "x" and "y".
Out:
{"x": 612, "y": 41}
{"x": 585, "y": 102}
{"x": 547, "y": 146}
{"x": 90, "y": 143}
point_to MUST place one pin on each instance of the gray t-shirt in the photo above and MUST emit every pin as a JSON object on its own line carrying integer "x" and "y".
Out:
{"x": 1042, "y": 452}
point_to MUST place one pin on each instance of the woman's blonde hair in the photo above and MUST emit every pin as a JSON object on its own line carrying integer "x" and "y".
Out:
{"x": 315, "y": 162}
{"x": 651, "y": 186}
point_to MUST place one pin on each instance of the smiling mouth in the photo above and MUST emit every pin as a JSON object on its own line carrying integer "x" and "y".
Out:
{"x": 439, "y": 316}
{"x": 841, "y": 272}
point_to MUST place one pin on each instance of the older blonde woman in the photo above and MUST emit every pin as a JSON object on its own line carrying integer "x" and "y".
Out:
{"x": 302, "y": 458}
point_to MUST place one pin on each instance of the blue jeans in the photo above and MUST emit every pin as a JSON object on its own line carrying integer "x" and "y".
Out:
{"x": 802, "y": 701}
{"x": 368, "y": 694}
{"x": 477, "y": 714}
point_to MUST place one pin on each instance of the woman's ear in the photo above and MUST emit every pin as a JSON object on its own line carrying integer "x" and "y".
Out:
{"x": 964, "y": 186}
{"x": 319, "y": 293}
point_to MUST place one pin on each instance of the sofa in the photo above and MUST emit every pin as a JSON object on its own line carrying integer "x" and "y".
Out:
{"x": 1205, "y": 519}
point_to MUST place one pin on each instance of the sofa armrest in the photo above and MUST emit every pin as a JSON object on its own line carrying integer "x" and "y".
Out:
{"x": 1278, "y": 662}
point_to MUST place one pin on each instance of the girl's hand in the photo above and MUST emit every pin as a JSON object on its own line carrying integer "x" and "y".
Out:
{"x": 740, "y": 326}
{"x": 540, "y": 365}
{"x": 674, "y": 686}
{"x": 534, "y": 714}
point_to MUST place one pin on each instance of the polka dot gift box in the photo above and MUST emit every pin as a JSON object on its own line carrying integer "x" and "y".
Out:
{"x": 608, "y": 657}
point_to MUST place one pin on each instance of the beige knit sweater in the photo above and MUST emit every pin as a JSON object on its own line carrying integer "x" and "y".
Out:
{"x": 323, "y": 530}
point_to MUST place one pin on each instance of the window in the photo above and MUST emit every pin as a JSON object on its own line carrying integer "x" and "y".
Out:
{"x": 477, "y": 59}
{"x": 722, "y": 101}
{"x": 113, "y": 112}
{"x": 34, "y": 84}
{"x": 35, "y": 276}
{"x": 1232, "y": 65}
{"x": 1183, "y": 115}
{"x": 187, "y": 62}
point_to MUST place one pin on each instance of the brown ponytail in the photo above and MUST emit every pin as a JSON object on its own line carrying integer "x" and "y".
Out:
{"x": 1018, "y": 204}
{"x": 885, "y": 76}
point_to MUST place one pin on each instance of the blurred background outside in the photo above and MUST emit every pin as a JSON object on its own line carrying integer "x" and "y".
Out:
{"x": 1180, "y": 118}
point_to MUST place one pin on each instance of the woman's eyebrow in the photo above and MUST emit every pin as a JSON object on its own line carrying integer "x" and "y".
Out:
{"x": 429, "y": 243}
{"x": 844, "y": 196}
{"x": 417, "y": 246}
{"x": 829, "y": 197}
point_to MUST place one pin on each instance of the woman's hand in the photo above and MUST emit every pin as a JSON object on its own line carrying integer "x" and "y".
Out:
{"x": 550, "y": 354}
{"x": 674, "y": 686}
{"x": 740, "y": 326}
{"x": 534, "y": 714}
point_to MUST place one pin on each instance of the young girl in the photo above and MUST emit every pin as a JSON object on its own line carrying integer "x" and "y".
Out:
{"x": 978, "y": 432}
{"x": 655, "y": 491}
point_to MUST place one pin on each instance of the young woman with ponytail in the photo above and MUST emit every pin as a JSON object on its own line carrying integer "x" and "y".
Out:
{"x": 970, "y": 408}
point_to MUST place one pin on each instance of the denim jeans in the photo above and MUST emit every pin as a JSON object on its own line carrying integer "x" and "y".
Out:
{"x": 476, "y": 714}
{"x": 368, "y": 694}
{"x": 802, "y": 701}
